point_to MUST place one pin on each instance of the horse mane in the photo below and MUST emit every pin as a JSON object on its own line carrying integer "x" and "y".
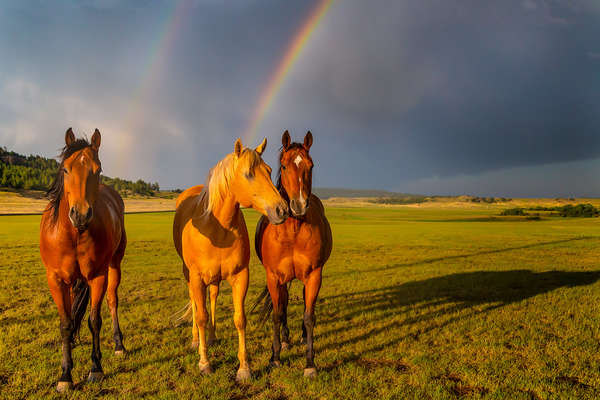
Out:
{"x": 54, "y": 194}
{"x": 279, "y": 185}
{"x": 220, "y": 176}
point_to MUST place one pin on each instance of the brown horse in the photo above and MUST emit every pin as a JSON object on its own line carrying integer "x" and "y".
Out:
{"x": 82, "y": 242}
{"x": 298, "y": 248}
{"x": 211, "y": 238}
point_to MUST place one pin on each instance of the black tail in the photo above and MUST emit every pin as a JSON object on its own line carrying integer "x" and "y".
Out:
{"x": 267, "y": 307}
{"x": 81, "y": 297}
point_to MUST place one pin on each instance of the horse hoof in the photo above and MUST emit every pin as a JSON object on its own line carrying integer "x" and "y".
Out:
{"x": 194, "y": 345}
{"x": 95, "y": 376}
{"x": 120, "y": 353}
{"x": 285, "y": 346}
{"x": 205, "y": 368}
{"x": 274, "y": 364}
{"x": 211, "y": 341}
{"x": 63, "y": 387}
{"x": 242, "y": 375}
{"x": 310, "y": 373}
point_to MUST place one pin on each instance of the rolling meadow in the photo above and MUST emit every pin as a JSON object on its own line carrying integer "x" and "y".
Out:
{"x": 432, "y": 302}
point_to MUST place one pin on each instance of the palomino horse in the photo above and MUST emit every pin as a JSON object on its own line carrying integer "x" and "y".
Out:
{"x": 211, "y": 238}
{"x": 82, "y": 242}
{"x": 298, "y": 248}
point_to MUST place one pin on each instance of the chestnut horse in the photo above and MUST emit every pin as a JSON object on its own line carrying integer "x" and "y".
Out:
{"x": 82, "y": 242}
{"x": 211, "y": 238}
{"x": 298, "y": 248}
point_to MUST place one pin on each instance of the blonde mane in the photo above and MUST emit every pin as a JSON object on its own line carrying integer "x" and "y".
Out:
{"x": 220, "y": 176}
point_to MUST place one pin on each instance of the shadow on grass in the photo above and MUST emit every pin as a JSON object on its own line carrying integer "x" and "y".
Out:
{"x": 454, "y": 297}
{"x": 477, "y": 253}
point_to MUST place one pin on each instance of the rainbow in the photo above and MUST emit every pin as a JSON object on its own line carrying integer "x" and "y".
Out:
{"x": 290, "y": 57}
{"x": 157, "y": 55}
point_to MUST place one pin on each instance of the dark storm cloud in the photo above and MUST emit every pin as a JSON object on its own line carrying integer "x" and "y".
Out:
{"x": 413, "y": 94}
{"x": 460, "y": 87}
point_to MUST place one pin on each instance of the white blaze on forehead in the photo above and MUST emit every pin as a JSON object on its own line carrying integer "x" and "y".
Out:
{"x": 298, "y": 160}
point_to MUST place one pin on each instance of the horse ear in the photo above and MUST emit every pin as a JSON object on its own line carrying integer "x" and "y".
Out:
{"x": 69, "y": 137}
{"x": 237, "y": 149}
{"x": 285, "y": 139}
{"x": 308, "y": 139}
{"x": 96, "y": 140}
{"x": 261, "y": 148}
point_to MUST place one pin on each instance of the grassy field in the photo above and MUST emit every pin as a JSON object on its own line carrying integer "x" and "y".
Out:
{"x": 34, "y": 202}
{"x": 415, "y": 303}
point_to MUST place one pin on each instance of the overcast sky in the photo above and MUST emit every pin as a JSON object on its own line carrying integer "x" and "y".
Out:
{"x": 424, "y": 96}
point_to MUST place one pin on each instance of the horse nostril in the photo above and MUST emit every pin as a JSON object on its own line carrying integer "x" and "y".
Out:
{"x": 281, "y": 212}
{"x": 72, "y": 212}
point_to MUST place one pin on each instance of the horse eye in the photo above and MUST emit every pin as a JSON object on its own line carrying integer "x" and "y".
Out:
{"x": 283, "y": 167}
{"x": 65, "y": 171}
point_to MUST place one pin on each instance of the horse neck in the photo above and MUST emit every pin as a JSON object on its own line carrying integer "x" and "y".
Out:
{"x": 225, "y": 211}
{"x": 62, "y": 219}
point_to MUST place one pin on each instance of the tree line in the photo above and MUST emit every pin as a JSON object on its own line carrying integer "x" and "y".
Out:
{"x": 37, "y": 173}
{"x": 580, "y": 210}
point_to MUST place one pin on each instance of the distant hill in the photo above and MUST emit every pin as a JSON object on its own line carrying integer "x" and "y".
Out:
{"x": 33, "y": 172}
{"x": 326, "y": 193}
{"x": 37, "y": 173}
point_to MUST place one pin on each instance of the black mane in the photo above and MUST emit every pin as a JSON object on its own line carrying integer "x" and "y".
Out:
{"x": 54, "y": 194}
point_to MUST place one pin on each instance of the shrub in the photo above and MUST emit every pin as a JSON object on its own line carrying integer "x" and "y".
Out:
{"x": 580, "y": 210}
{"x": 514, "y": 211}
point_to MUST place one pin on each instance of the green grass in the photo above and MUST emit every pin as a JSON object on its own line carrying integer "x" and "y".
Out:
{"x": 415, "y": 303}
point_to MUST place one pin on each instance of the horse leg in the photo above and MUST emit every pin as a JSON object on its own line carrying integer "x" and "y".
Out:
{"x": 212, "y": 327}
{"x": 312, "y": 286}
{"x": 97, "y": 290}
{"x": 198, "y": 298}
{"x": 239, "y": 287}
{"x": 276, "y": 293}
{"x": 112, "y": 299}
{"x": 186, "y": 274}
{"x": 195, "y": 340}
{"x": 303, "y": 340}
{"x": 285, "y": 331}
{"x": 62, "y": 298}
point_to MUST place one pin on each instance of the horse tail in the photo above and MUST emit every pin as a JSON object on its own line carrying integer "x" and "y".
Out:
{"x": 267, "y": 305}
{"x": 182, "y": 315}
{"x": 265, "y": 309}
{"x": 81, "y": 298}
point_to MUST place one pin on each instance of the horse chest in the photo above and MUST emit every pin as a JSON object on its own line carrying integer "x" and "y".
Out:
{"x": 214, "y": 263}
{"x": 93, "y": 255}
{"x": 292, "y": 251}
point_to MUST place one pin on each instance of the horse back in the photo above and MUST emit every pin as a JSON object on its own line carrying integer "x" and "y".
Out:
{"x": 185, "y": 205}
{"x": 320, "y": 219}
{"x": 114, "y": 202}
{"x": 189, "y": 192}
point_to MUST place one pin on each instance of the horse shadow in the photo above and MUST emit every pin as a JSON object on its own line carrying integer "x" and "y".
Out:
{"x": 439, "y": 302}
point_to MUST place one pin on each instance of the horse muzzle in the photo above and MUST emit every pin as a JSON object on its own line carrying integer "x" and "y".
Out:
{"x": 298, "y": 207}
{"x": 278, "y": 215}
{"x": 80, "y": 220}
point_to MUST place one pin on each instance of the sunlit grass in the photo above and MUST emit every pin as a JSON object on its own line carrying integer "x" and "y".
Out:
{"x": 415, "y": 303}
